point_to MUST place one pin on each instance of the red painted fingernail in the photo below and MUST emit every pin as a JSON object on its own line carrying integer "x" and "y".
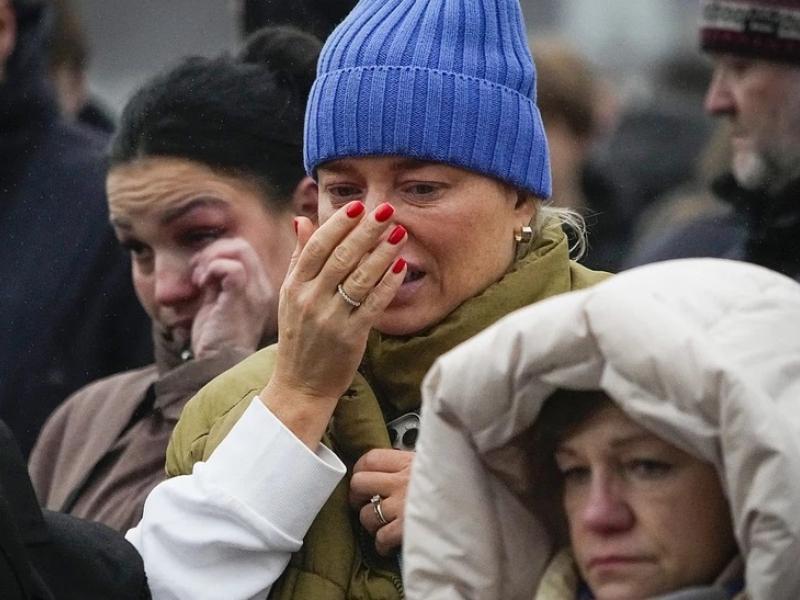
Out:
{"x": 384, "y": 212}
{"x": 398, "y": 233}
{"x": 399, "y": 265}
{"x": 294, "y": 222}
{"x": 354, "y": 209}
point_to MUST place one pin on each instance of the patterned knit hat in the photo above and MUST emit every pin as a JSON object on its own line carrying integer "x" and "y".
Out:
{"x": 451, "y": 81}
{"x": 768, "y": 29}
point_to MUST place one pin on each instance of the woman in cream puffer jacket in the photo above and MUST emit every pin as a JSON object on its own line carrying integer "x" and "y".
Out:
{"x": 703, "y": 353}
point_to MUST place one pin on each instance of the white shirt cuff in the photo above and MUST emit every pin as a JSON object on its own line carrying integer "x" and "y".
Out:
{"x": 265, "y": 466}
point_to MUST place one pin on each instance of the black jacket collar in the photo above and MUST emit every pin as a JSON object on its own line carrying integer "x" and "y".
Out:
{"x": 772, "y": 222}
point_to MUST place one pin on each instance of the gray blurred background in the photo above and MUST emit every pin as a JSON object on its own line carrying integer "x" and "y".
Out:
{"x": 131, "y": 39}
{"x": 621, "y": 86}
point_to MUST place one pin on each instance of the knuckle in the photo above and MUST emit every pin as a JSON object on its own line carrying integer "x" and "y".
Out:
{"x": 385, "y": 539}
{"x": 342, "y": 256}
{"x": 360, "y": 278}
{"x": 357, "y": 481}
{"x": 364, "y": 516}
{"x": 379, "y": 296}
{"x": 314, "y": 250}
{"x": 382, "y": 537}
{"x": 359, "y": 281}
{"x": 386, "y": 286}
{"x": 236, "y": 269}
{"x": 371, "y": 461}
{"x": 288, "y": 289}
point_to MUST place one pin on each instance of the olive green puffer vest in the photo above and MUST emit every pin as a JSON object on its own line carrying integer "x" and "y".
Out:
{"x": 337, "y": 561}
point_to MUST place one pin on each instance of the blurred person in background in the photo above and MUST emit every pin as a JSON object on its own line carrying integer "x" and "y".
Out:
{"x": 639, "y": 439}
{"x": 318, "y": 17}
{"x": 68, "y": 314}
{"x": 69, "y": 57}
{"x": 690, "y": 202}
{"x": 651, "y": 150}
{"x": 206, "y": 176}
{"x": 755, "y": 87}
{"x": 432, "y": 166}
{"x": 567, "y": 100}
{"x": 574, "y": 102}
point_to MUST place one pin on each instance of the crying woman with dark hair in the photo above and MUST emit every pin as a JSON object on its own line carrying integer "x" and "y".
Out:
{"x": 206, "y": 176}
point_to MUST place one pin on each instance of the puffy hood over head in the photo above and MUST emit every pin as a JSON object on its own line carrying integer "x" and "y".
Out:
{"x": 705, "y": 353}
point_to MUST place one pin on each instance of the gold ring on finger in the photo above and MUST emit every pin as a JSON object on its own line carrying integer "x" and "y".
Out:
{"x": 376, "y": 506}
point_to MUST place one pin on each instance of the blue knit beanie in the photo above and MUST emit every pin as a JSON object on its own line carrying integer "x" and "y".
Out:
{"x": 450, "y": 81}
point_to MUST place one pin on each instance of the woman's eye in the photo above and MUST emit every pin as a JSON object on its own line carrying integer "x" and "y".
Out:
{"x": 344, "y": 192}
{"x": 421, "y": 189}
{"x": 136, "y": 248}
{"x": 575, "y": 474}
{"x": 198, "y": 237}
{"x": 647, "y": 468}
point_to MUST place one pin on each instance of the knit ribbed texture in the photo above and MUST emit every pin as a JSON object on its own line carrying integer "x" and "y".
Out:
{"x": 443, "y": 80}
{"x": 768, "y": 29}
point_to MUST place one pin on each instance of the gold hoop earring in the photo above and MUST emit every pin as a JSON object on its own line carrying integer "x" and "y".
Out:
{"x": 523, "y": 238}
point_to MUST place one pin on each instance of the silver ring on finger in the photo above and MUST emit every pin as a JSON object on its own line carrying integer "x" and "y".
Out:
{"x": 376, "y": 506}
{"x": 346, "y": 297}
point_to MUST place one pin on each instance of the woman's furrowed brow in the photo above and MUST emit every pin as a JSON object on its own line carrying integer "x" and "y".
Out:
{"x": 175, "y": 212}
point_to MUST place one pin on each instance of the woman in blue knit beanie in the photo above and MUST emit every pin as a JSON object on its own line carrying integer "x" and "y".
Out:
{"x": 423, "y": 135}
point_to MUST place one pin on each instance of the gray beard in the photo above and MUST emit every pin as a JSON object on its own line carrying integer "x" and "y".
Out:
{"x": 755, "y": 171}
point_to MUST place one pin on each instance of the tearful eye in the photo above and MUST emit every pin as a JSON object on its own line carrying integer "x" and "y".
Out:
{"x": 200, "y": 237}
{"x": 134, "y": 247}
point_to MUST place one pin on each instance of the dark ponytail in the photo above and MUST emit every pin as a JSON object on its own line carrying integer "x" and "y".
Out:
{"x": 240, "y": 115}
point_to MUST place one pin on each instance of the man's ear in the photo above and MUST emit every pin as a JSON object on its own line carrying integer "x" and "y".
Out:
{"x": 8, "y": 34}
{"x": 305, "y": 198}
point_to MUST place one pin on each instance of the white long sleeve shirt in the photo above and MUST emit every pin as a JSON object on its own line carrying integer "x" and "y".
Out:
{"x": 228, "y": 530}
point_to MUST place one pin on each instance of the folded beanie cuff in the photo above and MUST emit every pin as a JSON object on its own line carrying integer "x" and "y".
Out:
{"x": 768, "y": 29}
{"x": 428, "y": 114}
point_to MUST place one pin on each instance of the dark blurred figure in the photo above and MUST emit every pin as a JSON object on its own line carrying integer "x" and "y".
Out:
{"x": 690, "y": 202}
{"x": 651, "y": 151}
{"x": 68, "y": 314}
{"x": 315, "y": 16}
{"x": 571, "y": 101}
{"x": 566, "y": 98}
{"x": 69, "y": 59}
{"x": 46, "y": 555}
{"x": 756, "y": 88}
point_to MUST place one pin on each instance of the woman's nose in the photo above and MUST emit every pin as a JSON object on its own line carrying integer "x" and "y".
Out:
{"x": 606, "y": 509}
{"x": 374, "y": 197}
{"x": 173, "y": 280}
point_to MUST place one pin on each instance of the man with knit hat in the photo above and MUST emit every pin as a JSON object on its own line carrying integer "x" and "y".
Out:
{"x": 755, "y": 48}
